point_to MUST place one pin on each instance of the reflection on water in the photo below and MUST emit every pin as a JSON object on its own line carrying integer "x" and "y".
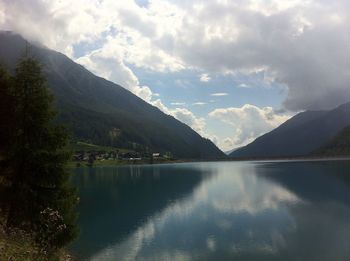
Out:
{"x": 215, "y": 211}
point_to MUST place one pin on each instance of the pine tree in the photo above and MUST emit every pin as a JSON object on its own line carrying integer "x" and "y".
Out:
{"x": 39, "y": 181}
{"x": 6, "y": 130}
{"x": 6, "y": 111}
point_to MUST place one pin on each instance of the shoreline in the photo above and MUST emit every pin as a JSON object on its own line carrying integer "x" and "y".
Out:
{"x": 104, "y": 163}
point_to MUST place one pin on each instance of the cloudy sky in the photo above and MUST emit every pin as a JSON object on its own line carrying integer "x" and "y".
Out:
{"x": 231, "y": 69}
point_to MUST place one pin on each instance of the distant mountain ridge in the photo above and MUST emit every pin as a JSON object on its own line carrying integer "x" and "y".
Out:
{"x": 230, "y": 151}
{"x": 299, "y": 136}
{"x": 104, "y": 113}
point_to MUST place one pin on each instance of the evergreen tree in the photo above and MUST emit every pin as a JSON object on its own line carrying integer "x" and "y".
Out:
{"x": 6, "y": 111}
{"x": 6, "y": 129}
{"x": 39, "y": 183}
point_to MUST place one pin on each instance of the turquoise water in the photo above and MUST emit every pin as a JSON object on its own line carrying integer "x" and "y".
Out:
{"x": 215, "y": 211}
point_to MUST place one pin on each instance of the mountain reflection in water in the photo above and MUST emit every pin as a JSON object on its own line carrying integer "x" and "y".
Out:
{"x": 215, "y": 211}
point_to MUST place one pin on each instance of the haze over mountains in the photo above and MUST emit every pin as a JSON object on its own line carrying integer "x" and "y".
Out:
{"x": 104, "y": 113}
{"x": 301, "y": 135}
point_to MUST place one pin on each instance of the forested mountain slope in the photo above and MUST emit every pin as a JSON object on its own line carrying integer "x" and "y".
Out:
{"x": 300, "y": 135}
{"x": 104, "y": 113}
{"x": 337, "y": 146}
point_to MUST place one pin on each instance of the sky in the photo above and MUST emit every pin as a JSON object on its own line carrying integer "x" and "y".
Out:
{"x": 230, "y": 69}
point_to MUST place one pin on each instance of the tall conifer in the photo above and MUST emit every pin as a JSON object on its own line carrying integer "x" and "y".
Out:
{"x": 39, "y": 181}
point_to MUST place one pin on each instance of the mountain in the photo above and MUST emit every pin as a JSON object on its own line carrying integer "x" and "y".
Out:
{"x": 300, "y": 135}
{"x": 337, "y": 146}
{"x": 101, "y": 112}
{"x": 230, "y": 151}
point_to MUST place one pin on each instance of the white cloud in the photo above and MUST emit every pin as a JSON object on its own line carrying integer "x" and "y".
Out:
{"x": 214, "y": 139}
{"x": 224, "y": 143}
{"x": 158, "y": 103}
{"x": 204, "y": 77}
{"x": 228, "y": 142}
{"x": 288, "y": 42}
{"x": 178, "y": 103}
{"x": 187, "y": 117}
{"x": 248, "y": 122}
{"x": 108, "y": 63}
{"x": 243, "y": 85}
{"x": 184, "y": 115}
{"x": 199, "y": 103}
{"x": 285, "y": 39}
{"x": 183, "y": 83}
{"x": 2, "y": 14}
{"x": 218, "y": 94}
{"x": 143, "y": 92}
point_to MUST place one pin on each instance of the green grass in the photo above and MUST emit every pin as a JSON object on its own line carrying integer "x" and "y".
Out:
{"x": 83, "y": 146}
{"x": 101, "y": 163}
{"x": 18, "y": 246}
{"x": 73, "y": 164}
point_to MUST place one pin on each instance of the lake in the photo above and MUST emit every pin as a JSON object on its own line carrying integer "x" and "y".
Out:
{"x": 215, "y": 211}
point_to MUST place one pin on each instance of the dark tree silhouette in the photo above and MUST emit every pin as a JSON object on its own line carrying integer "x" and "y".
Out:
{"x": 36, "y": 177}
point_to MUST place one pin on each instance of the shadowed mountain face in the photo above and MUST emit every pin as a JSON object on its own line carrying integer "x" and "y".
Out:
{"x": 299, "y": 136}
{"x": 93, "y": 107}
{"x": 339, "y": 145}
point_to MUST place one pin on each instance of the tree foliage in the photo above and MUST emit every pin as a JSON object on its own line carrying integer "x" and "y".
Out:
{"x": 339, "y": 145}
{"x": 36, "y": 178}
{"x": 6, "y": 110}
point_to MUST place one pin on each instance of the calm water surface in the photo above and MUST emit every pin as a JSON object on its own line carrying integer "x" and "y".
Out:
{"x": 215, "y": 211}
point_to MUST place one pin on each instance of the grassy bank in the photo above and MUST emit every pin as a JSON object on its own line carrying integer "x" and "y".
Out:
{"x": 97, "y": 163}
{"x": 17, "y": 246}
{"x": 84, "y": 146}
